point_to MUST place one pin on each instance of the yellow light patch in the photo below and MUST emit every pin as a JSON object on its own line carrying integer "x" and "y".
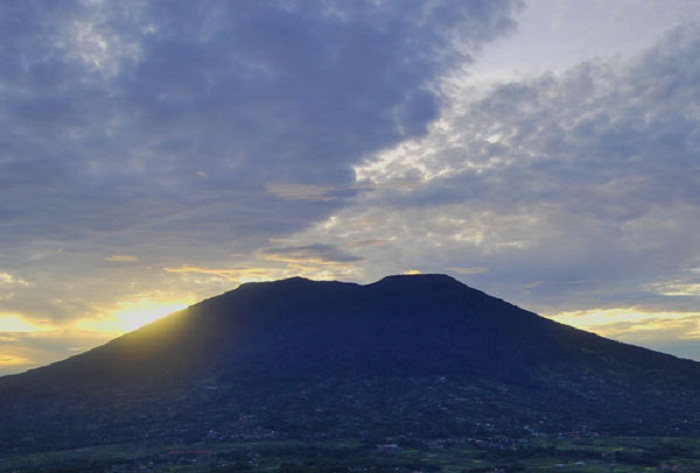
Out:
{"x": 123, "y": 258}
{"x": 132, "y": 315}
{"x": 634, "y": 325}
{"x": 17, "y": 323}
{"x": 140, "y": 314}
{"x": 10, "y": 359}
{"x": 598, "y": 317}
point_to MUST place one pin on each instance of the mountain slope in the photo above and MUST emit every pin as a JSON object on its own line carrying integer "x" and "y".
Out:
{"x": 417, "y": 356}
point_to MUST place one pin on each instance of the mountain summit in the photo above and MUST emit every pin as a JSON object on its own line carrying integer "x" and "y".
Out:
{"x": 415, "y": 356}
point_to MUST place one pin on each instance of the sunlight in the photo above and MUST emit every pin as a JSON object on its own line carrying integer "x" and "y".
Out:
{"x": 132, "y": 315}
{"x": 634, "y": 325}
{"x": 587, "y": 319}
{"x": 143, "y": 313}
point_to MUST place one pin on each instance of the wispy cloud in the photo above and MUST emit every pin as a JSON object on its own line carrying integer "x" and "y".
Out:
{"x": 123, "y": 258}
{"x": 317, "y": 253}
{"x": 9, "y": 280}
{"x": 674, "y": 332}
{"x": 22, "y": 351}
{"x": 463, "y": 270}
{"x": 229, "y": 274}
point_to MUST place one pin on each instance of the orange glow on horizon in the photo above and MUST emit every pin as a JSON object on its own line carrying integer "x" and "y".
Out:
{"x": 11, "y": 359}
{"x": 632, "y": 323}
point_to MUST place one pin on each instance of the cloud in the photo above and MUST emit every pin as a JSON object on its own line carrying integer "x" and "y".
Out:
{"x": 462, "y": 270}
{"x": 317, "y": 253}
{"x": 307, "y": 192}
{"x": 122, "y": 258}
{"x": 573, "y": 189}
{"x": 7, "y": 279}
{"x": 23, "y": 351}
{"x": 186, "y": 131}
{"x": 116, "y": 111}
{"x": 229, "y": 274}
{"x": 669, "y": 332}
{"x": 688, "y": 285}
{"x": 9, "y": 283}
{"x": 15, "y": 323}
{"x": 225, "y": 142}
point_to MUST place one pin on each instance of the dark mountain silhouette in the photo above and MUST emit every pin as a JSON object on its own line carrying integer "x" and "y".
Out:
{"x": 416, "y": 357}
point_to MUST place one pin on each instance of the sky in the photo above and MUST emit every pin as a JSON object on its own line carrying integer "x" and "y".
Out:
{"x": 159, "y": 152}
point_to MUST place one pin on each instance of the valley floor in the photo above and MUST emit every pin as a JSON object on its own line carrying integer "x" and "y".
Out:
{"x": 583, "y": 455}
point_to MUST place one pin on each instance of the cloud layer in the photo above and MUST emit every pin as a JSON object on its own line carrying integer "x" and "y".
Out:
{"x": 570, "y": 191}
{"x": 140, "y": 135}
{"x": 164, "y": 151}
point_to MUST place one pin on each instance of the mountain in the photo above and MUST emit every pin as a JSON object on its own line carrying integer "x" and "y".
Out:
{"x": 415, "y": 357}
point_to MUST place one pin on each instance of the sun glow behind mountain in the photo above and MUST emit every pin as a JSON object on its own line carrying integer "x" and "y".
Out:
{"x": 132, "y": 315}
{"x": 138, "y": 315}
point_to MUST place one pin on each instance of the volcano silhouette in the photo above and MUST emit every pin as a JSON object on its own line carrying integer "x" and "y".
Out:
{"x": 414, "y": 356}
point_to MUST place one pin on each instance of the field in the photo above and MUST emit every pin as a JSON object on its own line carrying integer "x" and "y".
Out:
{"x": 588, "y": 455}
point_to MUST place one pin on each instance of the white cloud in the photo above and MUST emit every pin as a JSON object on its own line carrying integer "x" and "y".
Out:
{"x": 9, "y": 280}
{"x": 574, "y": 189}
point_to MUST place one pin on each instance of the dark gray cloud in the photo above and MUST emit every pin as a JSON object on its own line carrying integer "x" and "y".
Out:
{"x": 166, "y": 106}
{"x": 160, "y": 129}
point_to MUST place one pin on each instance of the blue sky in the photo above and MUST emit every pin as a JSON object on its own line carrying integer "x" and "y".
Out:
{"x": 159, "y": 152}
